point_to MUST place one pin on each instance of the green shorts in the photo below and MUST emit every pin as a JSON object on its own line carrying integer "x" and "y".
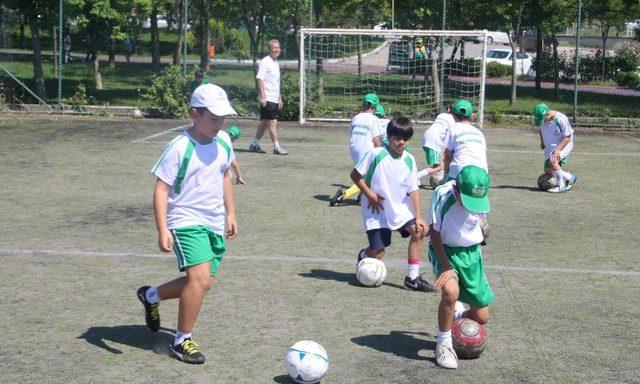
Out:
{"x": 198, "y": 244}
{"x": 563, "y": 161}
{"x": 467, "y": 262}
{"x": 433, "y": 156}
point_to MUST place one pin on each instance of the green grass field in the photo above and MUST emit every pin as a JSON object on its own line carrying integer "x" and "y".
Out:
{"x": 78, "y": 238}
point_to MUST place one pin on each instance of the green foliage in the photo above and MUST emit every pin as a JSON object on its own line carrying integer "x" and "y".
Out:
{"x": 168, "y": 91}
{"x": 235, "y": 42}
{"x": 629, "y": 79}
{"x": 79, "y": 96}
{"x": 290, "y": 91}
{"x": 498, "y": 70}
{"x": 627, "y": 58}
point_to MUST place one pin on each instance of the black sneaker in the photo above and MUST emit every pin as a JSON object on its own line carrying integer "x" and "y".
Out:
{"x": 188, "y": 351}
{"x": 255, "y": 148}
{"x": 419, "y": 284}
{"x": 361, "y": 255}
{"x": 337, "y": 198}
{"x": 359, "y": 199}
{"x": 151, "y": 312}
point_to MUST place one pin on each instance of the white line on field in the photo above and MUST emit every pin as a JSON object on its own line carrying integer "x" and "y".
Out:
{"x": 144, "y": 139}
{"x": 12, "y": 251}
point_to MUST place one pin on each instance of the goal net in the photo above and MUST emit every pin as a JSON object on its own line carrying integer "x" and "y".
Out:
{"x": 415, "y": 73}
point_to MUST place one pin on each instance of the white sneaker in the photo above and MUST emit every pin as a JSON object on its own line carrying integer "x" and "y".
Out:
{"x": 446, "y": 357}
{"x": 555, "y": 189}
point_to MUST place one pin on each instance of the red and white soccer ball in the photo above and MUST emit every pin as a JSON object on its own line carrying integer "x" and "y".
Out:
{"x": 371, "y": 272}
{"x": 307, "y": 362}
{"x": 469, "y": 338}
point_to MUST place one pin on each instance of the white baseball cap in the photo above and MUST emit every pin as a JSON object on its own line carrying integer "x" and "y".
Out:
{"x": 214, "y": 98}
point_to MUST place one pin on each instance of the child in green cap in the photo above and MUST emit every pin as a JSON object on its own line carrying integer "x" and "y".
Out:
{"x": 234, "y": 133}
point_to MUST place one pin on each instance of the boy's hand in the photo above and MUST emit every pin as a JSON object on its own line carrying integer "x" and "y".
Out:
{"x": 421, "y": 227}
{"x": 232, "y": 227}
{"x": 375, "y": 203}
{"x": 541, "y": 145}
{"x": 239, "y": 180}
{"x": 165, "y": 241}
{"x": 445, "y": 276}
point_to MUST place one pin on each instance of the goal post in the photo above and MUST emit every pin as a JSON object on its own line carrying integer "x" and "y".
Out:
{"x": 414, "y": 72}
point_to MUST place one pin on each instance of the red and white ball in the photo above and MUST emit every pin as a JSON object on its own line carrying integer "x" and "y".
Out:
{"x": 469, "y": 338}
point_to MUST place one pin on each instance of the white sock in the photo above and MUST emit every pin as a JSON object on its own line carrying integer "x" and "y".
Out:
{"x": 181, "y": 337}
{"x": 275, "y": 144}
{"x": 255, "y": 141}
{"x": 565, "y": 174}
{"x": 444, "y": 338}
{"x": 422, "y": 174}
{"x": 559, "y": 178}
{"x": 459, "y": 310}
{"x": 152, "y": 295}
{"x": 413, "y": 270}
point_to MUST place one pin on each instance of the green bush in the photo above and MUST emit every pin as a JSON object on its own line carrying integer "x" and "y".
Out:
{"x": 627, "y": 58}
{"x": 629, "y": 79}
{"x": 168, "y": 92}
{"x": 79, "y": 97}
{"x": 498, "y": 70}
{"x": 290, "y": 91}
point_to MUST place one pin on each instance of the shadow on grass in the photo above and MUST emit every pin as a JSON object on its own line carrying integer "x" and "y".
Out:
{"x": 137, "y": 336}
{"x": 283, "y": 379}
{"x": 522, "y": 187}
{"x": 326, "y": 198}
{"x": 399, "y": 343}
{"x": 350, "y": 278}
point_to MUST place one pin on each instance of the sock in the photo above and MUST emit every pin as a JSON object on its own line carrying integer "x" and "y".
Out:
{"x": 422, "y": 174}
{"x": 353, "y": 189}
{"x": 459, "y": 310}
{"x": 559, "y": 178}
{"x": 413, "y": 268}
{"x": 275, "y": 144}
{"x": 181, "y": 337}
{"x": 255, "y": 141}
{"x": 152, "y": 295}
{"x": 444, "y": 338}
{"x": 565, "y": 174}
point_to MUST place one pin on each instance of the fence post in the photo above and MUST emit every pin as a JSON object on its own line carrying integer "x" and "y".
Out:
{"x": 444, "y": 26}
{"x": 577, "y": 60}
{"x": 184, "y": 40}
{"x": 60, "y": 52}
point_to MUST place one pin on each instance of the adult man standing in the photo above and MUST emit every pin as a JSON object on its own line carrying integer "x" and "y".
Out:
{"x": 268, "y": 79}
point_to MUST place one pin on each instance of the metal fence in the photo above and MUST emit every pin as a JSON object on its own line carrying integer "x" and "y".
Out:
{"x": 88, "y": 56}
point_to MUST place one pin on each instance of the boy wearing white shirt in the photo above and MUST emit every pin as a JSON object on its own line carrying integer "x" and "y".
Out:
{"x": 456, "y": 216}
{"x": 432, "y": 143}
{"x": 556, "y": 139}
{"x": 464, "y": 144}
{"x": 193, "y": 196}
{"x": 391, "y": 200}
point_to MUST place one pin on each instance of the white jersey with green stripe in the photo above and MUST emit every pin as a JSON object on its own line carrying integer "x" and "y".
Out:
{"x": 393, "y": 178}
{"x": 458, "y": 226}
{"x": 468, "y": 146}
{"x": 552, "y": 134}
{"x": 195, "y": 172}
{"x": 363, "y": 128}
{"x": 434, "y": 136}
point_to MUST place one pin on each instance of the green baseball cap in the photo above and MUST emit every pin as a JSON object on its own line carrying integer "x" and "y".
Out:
{"x": 371, "y": 100}
{"x": 234, "y": 132}
{"x": 379, "y": 111}
{"x": 473, "y": 184}
{"x": 462, "y": 108}
{"x": 539, "y": 113}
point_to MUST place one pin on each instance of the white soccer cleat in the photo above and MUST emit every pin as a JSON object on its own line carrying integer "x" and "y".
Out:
{"x": 555, "y": 189}
{"x": 446, "y": 357}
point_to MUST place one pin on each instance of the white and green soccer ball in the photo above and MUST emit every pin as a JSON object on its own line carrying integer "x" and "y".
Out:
{"x": 546, "y": 182}
{"x": 307, "y": 362}
{"x": 371, "y": 272}
{"x": 436, "y": 179}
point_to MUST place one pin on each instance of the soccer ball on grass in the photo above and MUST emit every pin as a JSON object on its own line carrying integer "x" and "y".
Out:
{"x": 469, "y": 338}
{"x": 546, "y": 182}
{"x": 307, "y": 362}
{"x": 371, "y": 272}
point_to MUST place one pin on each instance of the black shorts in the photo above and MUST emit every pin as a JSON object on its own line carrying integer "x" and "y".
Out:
{"x": 381, "y": 238}
{"x": 269, "y": 111}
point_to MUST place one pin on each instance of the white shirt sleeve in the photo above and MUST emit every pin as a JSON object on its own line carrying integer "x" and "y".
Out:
{"x": 262, "y": 69}
{"x": 448, "y": 139}
{"x": 412, "y": 183}
{"x": 363, "y": 166}
{"x": 167, "y": 167}
{"x": 565, "y": 126}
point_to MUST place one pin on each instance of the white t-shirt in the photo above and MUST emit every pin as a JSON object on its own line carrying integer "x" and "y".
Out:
{"x": 458, "y": 226}
{"x": 363, "y": 128}
{"x": 468, "y": 146}
{"x": 392, "y": 178}
{"x": 197, "y": 198}
{"x": 552, "y": 134}
{"x": 434, "y": 136}
{"x": 269, "y": 73}
{"x": 383, "y": 127}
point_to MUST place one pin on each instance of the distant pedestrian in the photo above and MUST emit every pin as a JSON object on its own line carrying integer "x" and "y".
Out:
{"x": 126, "y": 48}
{"x": 66, "y": 47}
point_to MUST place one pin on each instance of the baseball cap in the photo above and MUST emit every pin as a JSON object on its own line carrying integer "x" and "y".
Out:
{"x": 213, "y": 98}
{"x": 233, "y": 132}
{"x": 539, "y": 112}
{"x": 463, "y": 108}
{"x": 379, "y": 111}
{"x": 371, "y": 100}
{"x": 473, "y": 184}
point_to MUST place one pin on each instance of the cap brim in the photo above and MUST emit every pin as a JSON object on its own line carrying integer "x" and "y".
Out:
{"x": 222, "y": 110}
{"x": 476, "y": 204}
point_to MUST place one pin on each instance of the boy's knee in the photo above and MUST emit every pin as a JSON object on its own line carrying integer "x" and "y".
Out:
{"x": 480, "y": 316}
{"x": 450, "y": 292}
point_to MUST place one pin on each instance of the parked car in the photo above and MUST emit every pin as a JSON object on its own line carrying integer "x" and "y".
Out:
{"x": 494, "y": 38}
{"x": 524, "y": 61}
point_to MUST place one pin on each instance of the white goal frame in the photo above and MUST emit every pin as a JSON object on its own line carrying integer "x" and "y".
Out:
{"x": 390, "y": 34}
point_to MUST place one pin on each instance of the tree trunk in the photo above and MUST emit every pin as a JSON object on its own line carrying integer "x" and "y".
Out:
{"x": 55, "y": 51}
{"x": 514, "y": 59}
{"x": 556, "y": 69}
{"x": 38, "y": 78}
{"x": 604, "y": 35}
{"x": 21, "y": 40}
{"x": 155, "y": 39}
{"x": 462, "y": 54}
{"x": 96, "y": 72}
{"x": 538, "y": 55}
{"x": 205, "y": 38}
{"x": 112, "y": 53}
{"x": 435, "y": 75}
{"x": 3, "y": 32}
{"x": 177, "y": 50}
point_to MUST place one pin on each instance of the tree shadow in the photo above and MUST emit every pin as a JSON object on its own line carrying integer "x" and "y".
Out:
{"x": 400, "y": 343}
{"x": 350, "y": 278}
{"x": 522, "y": 187}
{"x": 137, "y": 336}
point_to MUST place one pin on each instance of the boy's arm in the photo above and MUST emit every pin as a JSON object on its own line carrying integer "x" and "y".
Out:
{"x": 541, "y": 140}
{"x": 447, "y": 156}
{"x": 227, "y": 188}
{"x": 236, "y": 170}
{"x": 160, "y": 201}
{"x": 563, "y": 143}
{"x": 446, "y": 273}
{"x": 421, "y": 226}
{"x": 377, "y": 141}
{"x": 375, "y": 200}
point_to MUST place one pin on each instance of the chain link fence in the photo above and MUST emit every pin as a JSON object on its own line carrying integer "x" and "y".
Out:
{"x": 92, "y": 56}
